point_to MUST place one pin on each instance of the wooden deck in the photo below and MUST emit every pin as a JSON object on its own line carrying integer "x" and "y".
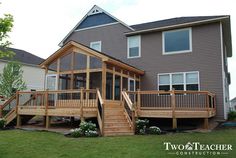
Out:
{"x": 89, "y": 103}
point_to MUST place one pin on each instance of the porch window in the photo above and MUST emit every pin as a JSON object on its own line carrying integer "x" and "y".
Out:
{"x": 134, "y": 50}
{"x": 109, "y": 88}
{"x": 177, "y": 41}
{"x": 79, "y": 80}
{"x": 117, "y": 87}
{"x": 178, "y": 81}
{"x": 97, "y": 45}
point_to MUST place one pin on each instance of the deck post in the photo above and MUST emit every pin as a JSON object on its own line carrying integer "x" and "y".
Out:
{"x": 173, "y": 105}
{"x": 81, "y": 104}
{"x": 104, "y": 74}
{"x": 138, "y": 102}
{"x": 48, "y": 121}
{"x": 18, "y": 121}
{"x": 206, "y": 124}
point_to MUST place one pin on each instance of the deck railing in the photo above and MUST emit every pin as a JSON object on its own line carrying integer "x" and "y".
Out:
{"x": 129, "y": 110}
{"x": 8, "y": 106}
{"x": 100, "y": 117}
{"x": 58, "y": 99}
{"x": 178, "y": 100}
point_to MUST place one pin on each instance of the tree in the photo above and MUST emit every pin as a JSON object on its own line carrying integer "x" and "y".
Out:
{"x": 11, "y": 80}
{"x": 6, "y": 24}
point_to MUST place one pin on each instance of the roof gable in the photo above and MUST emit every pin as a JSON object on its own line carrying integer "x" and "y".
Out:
{"x": 94, "y": 18}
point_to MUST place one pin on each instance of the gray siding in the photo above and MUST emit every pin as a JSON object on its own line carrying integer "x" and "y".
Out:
{"x": 205, "y": 57}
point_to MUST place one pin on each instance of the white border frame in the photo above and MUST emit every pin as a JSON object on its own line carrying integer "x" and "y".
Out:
{"x": 96, "y": 42}
{"x": 139, "y": 55}
{"x": 131, "y": 79}
{"x": 46, "y": 83}
{"x": 177, "y": 52}
{"x": 184, "y": 73}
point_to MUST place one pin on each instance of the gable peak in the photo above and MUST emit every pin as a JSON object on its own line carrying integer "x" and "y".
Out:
{"x": 95, "y": 10}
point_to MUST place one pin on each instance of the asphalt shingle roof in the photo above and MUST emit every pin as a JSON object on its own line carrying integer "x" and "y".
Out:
{"x": 25, "y": 57}
{"x": 172, "y": 21}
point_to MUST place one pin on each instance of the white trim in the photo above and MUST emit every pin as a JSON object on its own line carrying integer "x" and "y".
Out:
{"x": 96, "y": 42}
{"x": 56, "y": 83}
{"x": 184, "y": 83}
{"x": 131, "y": 79}
{"x": 94, "y": 10}
{"x": 101, "y": 10}
{"x": 223, "y": 72}
{"x": 92, "y": 27}
{"x": 174, "y": 26}
{"x": 139, "y": 45}
{"x": 177, "y": 52}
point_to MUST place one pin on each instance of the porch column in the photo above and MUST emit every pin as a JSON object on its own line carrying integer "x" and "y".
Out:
{"x": 104, "y": 75}
{"x": 48, "y": 121}
{"x": 206, "y": 124}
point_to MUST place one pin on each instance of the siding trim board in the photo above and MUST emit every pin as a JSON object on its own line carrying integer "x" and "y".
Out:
{"x": 92, "y": 27}
{"x": 223, "y": 72}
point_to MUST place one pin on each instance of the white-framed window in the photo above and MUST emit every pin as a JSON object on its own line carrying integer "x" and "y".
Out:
{"x": 96, "y": 45}
{"x": 179, "y": 81}
{"x": 134, "y": 47}
{"x": 177, "y": 41}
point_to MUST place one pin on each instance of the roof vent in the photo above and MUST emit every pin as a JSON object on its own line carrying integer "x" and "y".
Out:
{"x": 95, "y": 10}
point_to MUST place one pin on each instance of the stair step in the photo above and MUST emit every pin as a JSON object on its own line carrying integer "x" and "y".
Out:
{"x": 116, "y": 125}
{"x": 121, "y": 128}
{"x": 118, "y": 133}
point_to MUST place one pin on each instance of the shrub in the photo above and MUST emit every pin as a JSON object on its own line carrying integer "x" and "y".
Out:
{"x": 77, "y": 132}
{"x": 91, "y": 133}
{"x": 141, "y": 126}
{"x": 87, "y": 129}
{"x": 2, "y": 123}
{"x": 154, "y": 130}
{"x": 232, "y": 115}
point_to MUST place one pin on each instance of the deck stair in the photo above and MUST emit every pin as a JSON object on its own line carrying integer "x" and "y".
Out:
{"x": 115, "y": 122}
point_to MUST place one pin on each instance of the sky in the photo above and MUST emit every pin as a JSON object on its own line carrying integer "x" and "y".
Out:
{"x": 40, "y": 25}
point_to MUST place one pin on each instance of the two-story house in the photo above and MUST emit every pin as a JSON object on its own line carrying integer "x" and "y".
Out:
{"x": 173, "y": 68}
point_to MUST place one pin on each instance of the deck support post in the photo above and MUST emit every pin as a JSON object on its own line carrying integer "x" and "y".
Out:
{"x": 174, "y": 123}
{"x": 18, "y": 121}
{"x": 48, "y": 121}
{"x": 206, "y": 124}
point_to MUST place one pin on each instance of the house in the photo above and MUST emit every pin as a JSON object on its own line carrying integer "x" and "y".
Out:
{"x": 30, "y": 66}
{"x": 174, "y": 68}
{"x": 233, "y": 104}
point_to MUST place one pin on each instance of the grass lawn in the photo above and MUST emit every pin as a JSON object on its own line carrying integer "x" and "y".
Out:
{"x": 27, "y": 144}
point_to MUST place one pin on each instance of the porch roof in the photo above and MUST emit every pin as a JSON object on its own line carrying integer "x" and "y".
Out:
{"x": 75, "y": 47}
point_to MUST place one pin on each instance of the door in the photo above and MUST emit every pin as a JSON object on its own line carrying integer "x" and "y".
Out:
{"x": 51, "y": 85}
{"x": 131, "y": 87}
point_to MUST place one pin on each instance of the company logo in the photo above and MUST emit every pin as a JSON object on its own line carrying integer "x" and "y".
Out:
{"x": 196, "y": 148}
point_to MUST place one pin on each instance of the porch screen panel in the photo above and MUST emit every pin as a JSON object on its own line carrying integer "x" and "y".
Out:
{"x": 117, "y": 87}
{"x": 95, "y": 80}
{"x": 65, "y": 62}
{"x": 109, "y": 80}
{"x": 95, "y": 63}
{"x": 80, "y": 61}
{"x": 79, "y": 80}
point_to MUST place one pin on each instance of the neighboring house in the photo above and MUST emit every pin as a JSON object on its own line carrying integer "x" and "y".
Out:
{"x": 233, "y": 104}
{"x": 33, "y": 75}
{"x": 173, "y": 68}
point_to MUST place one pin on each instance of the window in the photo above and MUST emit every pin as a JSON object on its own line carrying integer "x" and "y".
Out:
{"x": 177, "y": 41}
{"x": 96, "y": 45}
{"x": 178, "y": 81}
{"x": 134, "y": 50}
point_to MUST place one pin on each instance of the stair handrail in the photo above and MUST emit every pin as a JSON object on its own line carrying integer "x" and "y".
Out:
{"x": 100, "y": 110}
{"x": 6, "y": 103}
{"x": 127, "y": 101}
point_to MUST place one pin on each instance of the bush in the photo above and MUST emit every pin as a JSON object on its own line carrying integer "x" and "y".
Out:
{"x": 2, "y": 123}
{"x": 91, "y": 133}
{"x": 77, "y": 132}
{"x": 232, "y": 115}
{"x": 87, "y": 129}
{"x": 141, "y": 126}
{"x": 154, "y": 130}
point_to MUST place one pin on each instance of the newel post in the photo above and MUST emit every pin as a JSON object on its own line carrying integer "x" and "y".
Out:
{"x": 81, "y": 104}
{"x": 18, "y": 120}
{"x": 173, "y": 106}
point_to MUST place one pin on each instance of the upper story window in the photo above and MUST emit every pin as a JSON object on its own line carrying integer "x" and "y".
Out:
{"x": 178, "y": 81}
{"x": 97, "y": 45}
{"x": 134, "y": 47}
{"x": 177, "y": 41}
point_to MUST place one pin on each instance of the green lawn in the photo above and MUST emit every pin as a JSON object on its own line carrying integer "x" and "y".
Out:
{"x": 26, "y": 144}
